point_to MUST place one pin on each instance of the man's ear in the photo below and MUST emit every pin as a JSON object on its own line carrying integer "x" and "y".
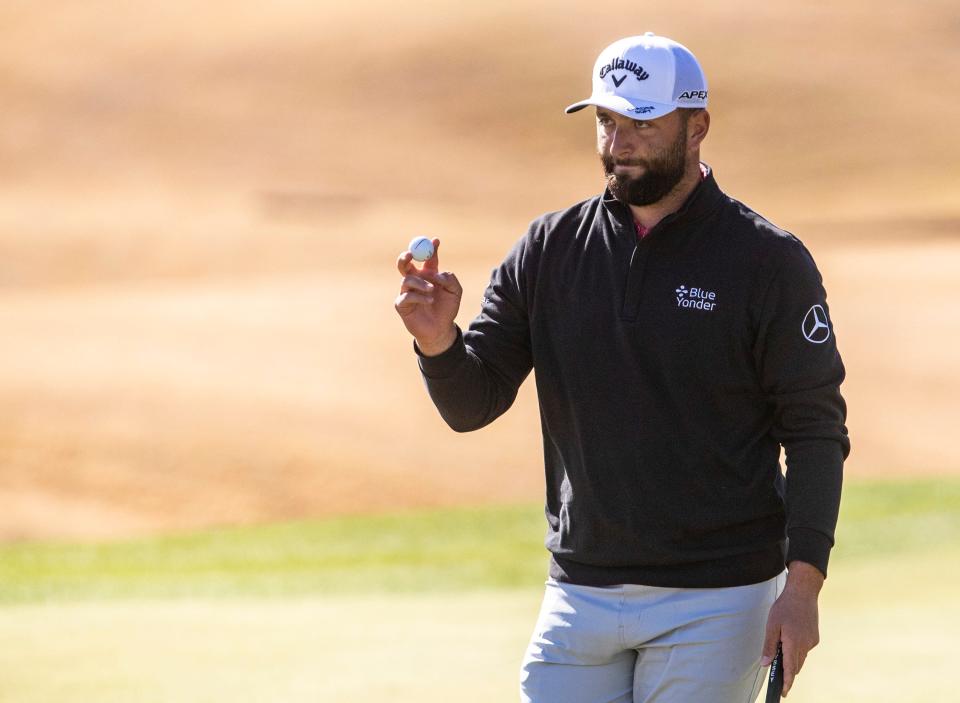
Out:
{"x": 697, "y": 127}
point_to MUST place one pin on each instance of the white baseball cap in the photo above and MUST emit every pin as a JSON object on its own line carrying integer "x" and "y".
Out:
{"x": 646, "y": 77}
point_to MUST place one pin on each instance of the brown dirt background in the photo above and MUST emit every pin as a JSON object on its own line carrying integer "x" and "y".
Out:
{"x": 201, "y": 205}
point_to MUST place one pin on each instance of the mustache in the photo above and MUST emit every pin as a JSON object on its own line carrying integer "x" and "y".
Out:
{"x": 609, "y": 163}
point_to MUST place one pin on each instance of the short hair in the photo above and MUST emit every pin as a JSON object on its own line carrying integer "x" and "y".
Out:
{"x": 687, "y": 112}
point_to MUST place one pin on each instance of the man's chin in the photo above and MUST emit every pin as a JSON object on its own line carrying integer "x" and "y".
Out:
{"x": 629, "y": 176}
{"x": 622, "y": 182}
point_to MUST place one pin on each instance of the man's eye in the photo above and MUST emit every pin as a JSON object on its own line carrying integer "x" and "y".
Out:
{"x": 640, "y": 124}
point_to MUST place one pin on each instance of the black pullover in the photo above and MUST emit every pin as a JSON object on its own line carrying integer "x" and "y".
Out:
{"x": 669, "y": 372}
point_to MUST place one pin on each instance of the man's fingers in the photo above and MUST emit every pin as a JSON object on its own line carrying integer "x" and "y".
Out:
{"x": 405, "y": 264}
{"x": 427, "y": 282}
{"x": 432, "y": 265}
{"x": 406, "y": 302}
{"x": 448, "y": 282}
{"x": 770, "y": 644}
{"x": 791, "y": 665}
{"x": 415, "y": 283}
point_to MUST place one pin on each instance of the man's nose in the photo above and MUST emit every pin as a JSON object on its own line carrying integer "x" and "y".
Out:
{"x": 623, "y": 141}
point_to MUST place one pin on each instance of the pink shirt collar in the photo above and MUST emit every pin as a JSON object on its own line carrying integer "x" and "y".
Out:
{"x": 644, "y": 231}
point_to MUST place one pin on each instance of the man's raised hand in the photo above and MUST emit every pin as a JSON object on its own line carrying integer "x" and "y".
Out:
{"x": 428, "y": 302}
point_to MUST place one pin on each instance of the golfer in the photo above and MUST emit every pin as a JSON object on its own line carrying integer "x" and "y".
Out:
{"x": 679, "y": 341}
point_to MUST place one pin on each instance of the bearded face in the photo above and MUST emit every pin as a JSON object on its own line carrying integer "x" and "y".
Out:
{"x": 661, "y": 173}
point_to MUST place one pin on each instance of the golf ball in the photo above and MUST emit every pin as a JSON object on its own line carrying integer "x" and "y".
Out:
{"x": 421, "y": 248}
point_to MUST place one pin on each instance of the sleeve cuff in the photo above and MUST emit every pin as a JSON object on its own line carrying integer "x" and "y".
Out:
{"x": 810, "y": 546}
{"x": 445, "y": 364}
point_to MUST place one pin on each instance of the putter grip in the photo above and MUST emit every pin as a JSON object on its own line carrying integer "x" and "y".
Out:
{"x": 775, "y": 679}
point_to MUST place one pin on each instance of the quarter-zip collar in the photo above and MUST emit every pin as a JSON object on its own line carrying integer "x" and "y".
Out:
{"x": 700, "y": 203}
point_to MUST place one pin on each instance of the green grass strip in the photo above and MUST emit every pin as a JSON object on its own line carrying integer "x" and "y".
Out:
{"x": 452, "y": 549}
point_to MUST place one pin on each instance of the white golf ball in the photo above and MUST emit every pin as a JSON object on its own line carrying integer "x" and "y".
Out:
{"x": 421, "y": 248}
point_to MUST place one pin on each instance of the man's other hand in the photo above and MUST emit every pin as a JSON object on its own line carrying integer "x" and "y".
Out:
{"x": 794, "y": 621}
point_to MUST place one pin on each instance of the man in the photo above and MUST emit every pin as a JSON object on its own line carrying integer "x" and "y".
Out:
{"x": 679, "y": 340}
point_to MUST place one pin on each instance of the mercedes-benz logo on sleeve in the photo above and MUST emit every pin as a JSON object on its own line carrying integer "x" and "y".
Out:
{"x": 816, "y": 329}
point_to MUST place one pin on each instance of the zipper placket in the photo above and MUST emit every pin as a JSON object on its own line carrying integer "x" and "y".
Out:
{"x": 632, "y": 297}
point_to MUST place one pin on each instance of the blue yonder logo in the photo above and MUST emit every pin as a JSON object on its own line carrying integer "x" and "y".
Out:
{"x": 696, "y": 298}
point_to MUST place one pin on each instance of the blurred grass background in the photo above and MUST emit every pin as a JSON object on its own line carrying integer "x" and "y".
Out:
{"x": 456, "y": 549}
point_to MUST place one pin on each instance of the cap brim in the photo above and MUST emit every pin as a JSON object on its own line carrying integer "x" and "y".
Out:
{"x": 639, "y": 110}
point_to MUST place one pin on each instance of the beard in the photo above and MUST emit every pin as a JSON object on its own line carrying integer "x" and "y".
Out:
{"x": 662, "y": 172}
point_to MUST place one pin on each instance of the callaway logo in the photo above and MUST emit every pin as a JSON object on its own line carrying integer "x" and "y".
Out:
{"x": 815, "y": 327}
{"x": 626, "y": 65}
{"x": 693, "y": 95}
{"x": 696, "y": 298}
{"x": 642, "y": 110}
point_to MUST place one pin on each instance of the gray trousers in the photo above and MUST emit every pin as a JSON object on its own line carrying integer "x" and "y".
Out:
{"x": 642, "y": 644}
